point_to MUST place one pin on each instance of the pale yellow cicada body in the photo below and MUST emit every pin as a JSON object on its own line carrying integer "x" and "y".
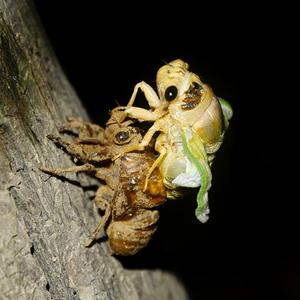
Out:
{"x": 191, "y": 121}
{"x": 195, "y": 105}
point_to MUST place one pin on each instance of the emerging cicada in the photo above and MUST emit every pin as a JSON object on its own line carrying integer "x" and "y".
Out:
{"x": 191, "y": 121}
{"x": 129, "y": 219}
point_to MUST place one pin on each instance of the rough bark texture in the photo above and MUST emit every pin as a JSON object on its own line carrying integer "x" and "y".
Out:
{"x": 43, "y": 220}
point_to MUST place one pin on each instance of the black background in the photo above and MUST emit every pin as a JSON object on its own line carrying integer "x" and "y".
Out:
{"x": 248, "y": 249}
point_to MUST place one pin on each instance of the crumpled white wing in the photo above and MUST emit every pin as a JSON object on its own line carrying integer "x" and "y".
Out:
{"x": 190, "y": 178}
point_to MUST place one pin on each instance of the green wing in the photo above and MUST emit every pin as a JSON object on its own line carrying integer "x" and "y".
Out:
{"x": 195, "y": 152}
{"x": 227, "y": 110}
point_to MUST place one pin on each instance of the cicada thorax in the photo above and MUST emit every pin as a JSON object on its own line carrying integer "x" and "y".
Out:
{"x": 199, "y": 109}
{"x": 193, "y": 105}
{"x": 196, "y": 112}
{"x": 133, "y": 222}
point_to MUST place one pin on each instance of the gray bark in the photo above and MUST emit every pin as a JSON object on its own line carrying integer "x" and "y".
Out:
{"x": 43, "y": 220}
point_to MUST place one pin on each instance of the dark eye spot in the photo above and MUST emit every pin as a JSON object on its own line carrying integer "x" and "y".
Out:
{"x": 122, "y": 136}
{"x": 171, "y": 93}
{"x": 197, "y": 86}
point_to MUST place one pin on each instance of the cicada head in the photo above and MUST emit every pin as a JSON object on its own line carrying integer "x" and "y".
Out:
{"x": 120, "y": 132}
{"x": 192, "y": 102}
{"x": 172, "y": 80}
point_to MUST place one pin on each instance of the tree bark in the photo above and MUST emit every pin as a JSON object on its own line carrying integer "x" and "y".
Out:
{"x": 43, "y": 220}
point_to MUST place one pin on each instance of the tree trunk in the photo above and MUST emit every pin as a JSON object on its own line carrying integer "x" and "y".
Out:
{"x": 43, "y": 220}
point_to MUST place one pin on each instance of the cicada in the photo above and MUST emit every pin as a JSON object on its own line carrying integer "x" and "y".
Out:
{"x": 129, "y": 219}
{"x": 191, "y": 122}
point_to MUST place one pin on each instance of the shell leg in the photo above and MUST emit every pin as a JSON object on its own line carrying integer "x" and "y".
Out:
{"x": 68, "y": 145}
{"x": 104, "y": 197}
{"x": 73, "y": 123}
{"x": 75, "y": 169}
{"x": 94, "y": 235}
{"x": 86, "y": 130}
{"x": 85, "y": 149}
{"x": 103, "y": 200}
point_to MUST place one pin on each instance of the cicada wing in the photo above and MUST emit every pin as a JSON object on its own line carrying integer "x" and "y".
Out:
{"x": 227, "y": 111}
{"x": 194, "y": 150}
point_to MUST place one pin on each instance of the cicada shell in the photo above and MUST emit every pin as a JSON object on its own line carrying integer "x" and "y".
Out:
{"x": 133, "y": 220}
{"x": 129, "y": 218}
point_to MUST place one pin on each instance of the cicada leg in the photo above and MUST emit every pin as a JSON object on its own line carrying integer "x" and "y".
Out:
{"x": 99, "y": 227}
{"x": 103, "y": 200}
{"x": 149, "y": 93}
{"x": 86, "y": 130}
{"x": 162, "y": 153}
{"x": 75, "y": 169}
{"x": 104, "y": 196}
{"x": 131, "y": 148}
{"x": 86, "y": 150}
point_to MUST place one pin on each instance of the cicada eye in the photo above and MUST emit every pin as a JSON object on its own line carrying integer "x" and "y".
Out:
{"x": 171, "y": 93}
{"x": 122, "y": 137}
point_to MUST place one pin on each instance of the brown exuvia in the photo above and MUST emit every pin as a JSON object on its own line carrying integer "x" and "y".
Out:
{"x": 130, "y": 219}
